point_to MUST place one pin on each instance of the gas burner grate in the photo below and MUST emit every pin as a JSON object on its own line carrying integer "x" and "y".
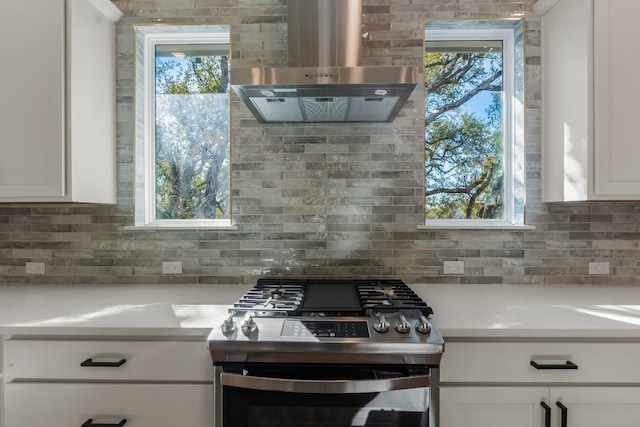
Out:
{"x": 388, "y": 296}
{"x": 271, "y": 295}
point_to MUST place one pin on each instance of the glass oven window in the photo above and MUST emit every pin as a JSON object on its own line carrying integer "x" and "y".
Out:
{"x": 252, "y": 408}
{"x": 245, "y": 407}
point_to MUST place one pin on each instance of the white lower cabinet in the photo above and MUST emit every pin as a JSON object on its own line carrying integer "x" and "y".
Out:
{"x": 522, "y": 406}
{"x": 540, "y": 384}
{"x": 1, "y": 385}
{"x": 492, "y": 406}
{"x": 599, "y": 406}
{"x": 64, "y": 359}
{"x": 78, "y": 405}
{"x": 110, "y": 382}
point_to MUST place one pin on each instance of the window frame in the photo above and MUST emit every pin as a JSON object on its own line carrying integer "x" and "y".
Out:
{"x": 510, "y": 138}
{"x": 147, "y": 38}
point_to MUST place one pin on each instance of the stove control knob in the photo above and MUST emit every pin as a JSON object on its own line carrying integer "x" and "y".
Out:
{"x": 402, "y": 325}
{"x": 423, "y": 325}
{"x": 248, "y": 325}
{"x": 381, "y": 325}
{"x": 228, "y": 325}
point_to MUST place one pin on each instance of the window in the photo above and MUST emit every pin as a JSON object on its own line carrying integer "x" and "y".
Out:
{"x": 474, "y": 144}
{"x": 182, "y": 126}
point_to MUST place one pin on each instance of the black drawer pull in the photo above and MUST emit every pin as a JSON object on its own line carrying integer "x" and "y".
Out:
{"x": 90, "y": 423}
{"x": 547, "y": 414}
{"x": 568, "y": 365}
{"x": 90, "y": 363}
{"x": 564, "y": 414}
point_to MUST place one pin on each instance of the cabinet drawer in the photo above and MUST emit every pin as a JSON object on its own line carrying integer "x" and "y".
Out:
{"x": 71, "y": 405}
{"x": 137, "y": 360}
{"x": 503, "y": 362}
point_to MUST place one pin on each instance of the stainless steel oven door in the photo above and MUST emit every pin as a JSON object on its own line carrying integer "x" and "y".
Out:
{"x": 322, "y": 396}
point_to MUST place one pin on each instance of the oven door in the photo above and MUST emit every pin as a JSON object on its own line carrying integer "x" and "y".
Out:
{"x": 322, "y": 396}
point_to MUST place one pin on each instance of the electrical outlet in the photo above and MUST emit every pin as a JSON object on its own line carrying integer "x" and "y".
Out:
{"x": 454, "y": 267}
{"x": 598, "y": 268}
{"x": 34, "y": 268}
{"x": 172, "y": 267}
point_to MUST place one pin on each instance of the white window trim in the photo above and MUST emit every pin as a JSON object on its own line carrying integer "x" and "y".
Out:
{"x": 508, "y": 123}
{"x": 148, "y": 219}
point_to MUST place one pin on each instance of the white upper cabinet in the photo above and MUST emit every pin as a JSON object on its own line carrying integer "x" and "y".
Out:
{"x": 57, "y": 110}
{"x": 590, "y": 88}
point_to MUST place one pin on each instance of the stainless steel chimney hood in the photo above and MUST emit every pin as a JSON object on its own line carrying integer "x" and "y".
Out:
{"x": 325, "y": 81}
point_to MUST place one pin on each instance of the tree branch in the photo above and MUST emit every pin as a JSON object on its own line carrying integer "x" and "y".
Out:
{"x": 486, "y": 85}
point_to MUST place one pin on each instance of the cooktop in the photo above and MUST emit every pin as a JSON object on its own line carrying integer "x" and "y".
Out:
{"x": 349, "y": 297}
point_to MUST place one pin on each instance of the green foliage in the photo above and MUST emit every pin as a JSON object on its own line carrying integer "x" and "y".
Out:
{"x": 192, "y": 138}
{"x": 200, "y": 74}
{"x": 463, "y": 146}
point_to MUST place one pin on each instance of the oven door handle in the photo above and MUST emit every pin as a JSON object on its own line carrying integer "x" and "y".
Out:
{"x": 324, "y": 386}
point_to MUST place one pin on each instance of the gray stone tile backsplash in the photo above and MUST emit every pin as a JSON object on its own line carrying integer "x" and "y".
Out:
{"x": 333, "y": 200}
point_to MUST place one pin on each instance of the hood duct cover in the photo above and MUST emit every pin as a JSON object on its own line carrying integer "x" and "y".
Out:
{"x": 325, "y": 81}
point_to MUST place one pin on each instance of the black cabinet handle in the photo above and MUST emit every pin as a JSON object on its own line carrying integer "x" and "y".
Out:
{"x": 568, "y": 365}
{"x": 564, "y": 412}
{"x": 90, "y": 363}
{"x": 547, "y": 414}
{"x": 90, "y": 423}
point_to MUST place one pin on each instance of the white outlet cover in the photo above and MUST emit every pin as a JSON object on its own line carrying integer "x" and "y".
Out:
{"x": 454, "y": 267}
{"x": 34, "y": 268}
{"x": 172, "y": 267}
{"x": 599, "y": 268}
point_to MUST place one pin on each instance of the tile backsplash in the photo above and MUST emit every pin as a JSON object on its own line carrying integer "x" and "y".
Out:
{"x": 321, "y": 200}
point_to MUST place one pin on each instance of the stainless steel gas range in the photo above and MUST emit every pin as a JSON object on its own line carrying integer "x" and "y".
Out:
{"x": 320, "y": 353}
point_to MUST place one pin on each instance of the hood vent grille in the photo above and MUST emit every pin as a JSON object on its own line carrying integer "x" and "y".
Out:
{"x": 323, "y": 109}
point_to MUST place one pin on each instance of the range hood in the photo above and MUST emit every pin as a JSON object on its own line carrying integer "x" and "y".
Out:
{"x": 325, "y": 81}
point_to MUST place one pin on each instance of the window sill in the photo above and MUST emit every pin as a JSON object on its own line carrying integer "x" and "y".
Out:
{"x": 180, "y": 227}
{"x": 451, "y": 225}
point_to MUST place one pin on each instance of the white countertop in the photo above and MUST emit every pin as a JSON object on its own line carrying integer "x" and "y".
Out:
{"x": 461, "y": 311}
{"x": 534, "y": 311}
{"x": 167, "y": 310}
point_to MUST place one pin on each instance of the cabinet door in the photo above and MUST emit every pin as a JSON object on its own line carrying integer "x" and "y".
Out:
{"x": 566, "y": 101}
{"x": 617, "y": 91}
{"x": 492, "y": 406}
{"x": 32, "y": 106}
{"x": 599, "y": 406}
{"x": 142, "y": 405}
{"x": 590, "y": 93}
{"x": 90, "y": 100}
